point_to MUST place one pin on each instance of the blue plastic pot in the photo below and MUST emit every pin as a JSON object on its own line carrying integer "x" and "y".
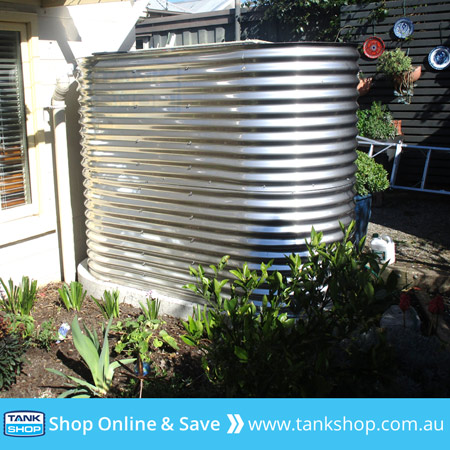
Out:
{"x": 363, "y": 211}
{"x": 145, "y": 369}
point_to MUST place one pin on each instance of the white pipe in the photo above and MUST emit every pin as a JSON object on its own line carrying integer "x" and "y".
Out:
{"x": 65, "y": 216}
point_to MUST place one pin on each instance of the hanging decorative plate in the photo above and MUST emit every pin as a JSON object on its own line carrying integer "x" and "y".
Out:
{"x": 373, "y": 47}
{"x": 403, "y": 28}
{"x": 439, "y": 57}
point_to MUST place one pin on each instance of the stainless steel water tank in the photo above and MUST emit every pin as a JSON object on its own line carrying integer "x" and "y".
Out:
{"x": 192, "y": 153}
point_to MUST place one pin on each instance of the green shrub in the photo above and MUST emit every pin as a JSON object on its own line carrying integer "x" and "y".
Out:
{"x": 47, "y": 335}
{"x": 137, "y": 336}
{"x": 11, "y": 354}
{"x": 19, "y": 300}
{"x": 376, "y": 122}
{"x": 109, "y": 304}
{"x": 72, "y": 296}
{"x": 394, "y": 62}
{"x": 371, "y": 177}
{"x": 23, "y": 326}
{"x": 291, "y": 342}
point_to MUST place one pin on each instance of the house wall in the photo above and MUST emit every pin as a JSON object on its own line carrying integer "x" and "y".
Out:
{"x": 48, "y": 243}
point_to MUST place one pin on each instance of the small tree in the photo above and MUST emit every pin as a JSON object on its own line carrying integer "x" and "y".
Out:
{"x": 306, "y": 19}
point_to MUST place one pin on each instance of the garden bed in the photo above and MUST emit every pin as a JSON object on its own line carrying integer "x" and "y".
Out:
{"x": 177, "y": 373}
{"x": 419, "y": 225}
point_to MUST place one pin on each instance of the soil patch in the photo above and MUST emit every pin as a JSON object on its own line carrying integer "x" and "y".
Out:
{"x": 419, "y": 224}
{"x": 175, "y": 373}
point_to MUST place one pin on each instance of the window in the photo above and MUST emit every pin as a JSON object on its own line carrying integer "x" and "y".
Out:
{"x": 14, "y": 170}
{"x": 27, "y": 203}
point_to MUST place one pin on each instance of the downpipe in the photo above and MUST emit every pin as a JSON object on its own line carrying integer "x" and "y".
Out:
{"x": 57, "y": 111}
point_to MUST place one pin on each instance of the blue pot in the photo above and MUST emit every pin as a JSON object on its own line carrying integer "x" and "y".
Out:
{"x": 145, "y": 369}
{"x": 363, "y": 211}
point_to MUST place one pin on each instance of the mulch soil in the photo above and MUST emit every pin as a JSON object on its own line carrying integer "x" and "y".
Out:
{"x": 175, "y": 373}
{"x": 419, "y": 225}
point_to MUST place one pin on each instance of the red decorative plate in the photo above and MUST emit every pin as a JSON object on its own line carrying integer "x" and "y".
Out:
{"x": 373, "y": 47}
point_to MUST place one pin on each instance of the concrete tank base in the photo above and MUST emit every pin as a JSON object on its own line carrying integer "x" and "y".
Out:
{"x": 95, "y": 287}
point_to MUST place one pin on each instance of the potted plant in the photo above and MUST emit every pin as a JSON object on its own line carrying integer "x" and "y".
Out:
{"x": 364, "y": 84}
{"x": 371, "y": 177}
{"x": 397, "y": 66}
{"x": 376, "y": 123}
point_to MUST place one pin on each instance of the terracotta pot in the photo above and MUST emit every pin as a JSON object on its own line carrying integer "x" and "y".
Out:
{"x": 416, "y": 74}
{"x": 398, "y": 126}
{"x": 407, "y": 78}
{"x": 364, "y": 85}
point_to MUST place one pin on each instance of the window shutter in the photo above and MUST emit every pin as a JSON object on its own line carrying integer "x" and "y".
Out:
{"x": 14, "y": 179}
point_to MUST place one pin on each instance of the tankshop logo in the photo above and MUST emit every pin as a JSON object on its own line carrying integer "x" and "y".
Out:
{"x": 24, "y": 423}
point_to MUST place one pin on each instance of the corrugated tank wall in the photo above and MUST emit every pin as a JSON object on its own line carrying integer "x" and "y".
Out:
{"x": 196, "y": 152}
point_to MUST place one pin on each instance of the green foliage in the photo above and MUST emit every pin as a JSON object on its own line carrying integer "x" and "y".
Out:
{"x": 19, "y": 300}
{"x": 46, "y": 335}
{"x": 151, "y": 309}
{"x": 72, "y": 296}
{"x": 291, "y": 341}
{"x": 398, "y": 66}
{"x": 21, "y": 325}
{"x": 199, "y": 324}
{"x": 370, "y": 176}
{"x": 11, "y": 354}
{"x": 394, "y": 62}
{"x": 97, "y": 360}
{"x": 17, "y": 303}
{"x": 135, "y": 337}
{"x": 138, "y": 335}
{"x": 308, "y": 19}
{"x": 109, "y": 304}
{"x": 376, "y": 122}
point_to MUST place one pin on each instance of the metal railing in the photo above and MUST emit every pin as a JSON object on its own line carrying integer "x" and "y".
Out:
{"x": 380, "y": 147}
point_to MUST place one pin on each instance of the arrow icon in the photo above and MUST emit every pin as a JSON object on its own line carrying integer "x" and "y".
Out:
{"x": 236, "y": 421}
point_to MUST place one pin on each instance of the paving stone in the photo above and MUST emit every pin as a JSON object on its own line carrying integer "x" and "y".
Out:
{"x": 393, "y": 317}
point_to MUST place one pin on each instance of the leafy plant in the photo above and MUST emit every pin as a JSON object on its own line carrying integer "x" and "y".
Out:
{"x": 109, "y": 304}
{"x": 19, "y": 300}
{"x": 394, "y": 62}
{"x": 97, "y": 360}
{"x": 376, "y": 122}
{"x": 289, "y": 341}
{"x": 72, "y": 296}
{"x": 137, "y": 336}
{"x": 308, "y": 19}
{"x": 21, "y": 325}
{"x": 166, "y": 339}
{"x": 136, "y": 339}
{"x": 397, "y": 66}
{"x": 46, "y": 335}
{"x": 371, "y": 177}
{"x": 151, "y": 309}
{"x": 11, "y": 354}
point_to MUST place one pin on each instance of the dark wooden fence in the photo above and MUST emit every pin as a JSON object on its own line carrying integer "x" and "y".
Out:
{"x": 207, "y": 28}
{"x": 426, "y": 120}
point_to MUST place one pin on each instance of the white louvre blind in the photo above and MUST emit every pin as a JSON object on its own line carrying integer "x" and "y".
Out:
{"x": 14, "y": 179}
